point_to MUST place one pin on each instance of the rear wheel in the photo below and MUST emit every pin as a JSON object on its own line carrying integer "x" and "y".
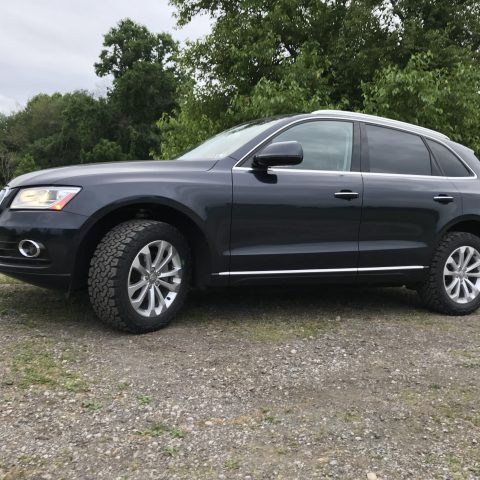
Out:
{"x": 139, "y": 275}
{"x": 453, "y": 283}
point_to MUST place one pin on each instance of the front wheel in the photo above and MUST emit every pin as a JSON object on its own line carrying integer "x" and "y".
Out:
{"x": 139, "y": 275}
{"x": 453, "y": 283}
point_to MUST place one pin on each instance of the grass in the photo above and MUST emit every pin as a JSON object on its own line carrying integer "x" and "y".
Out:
{"x": 444, "y": 405}
{"x": 170, "y": 450}
{"x": 272, "y": 327}
{"x": 350, "y": 417}
{"x": 91, "y": 405}
{"x": 160, "y": 429}
{"x": 123, "y": 386}
{"x": 33, "y": 364}
{"x": 4, "y": 280}
{"x": 232, "y": 464}
{"x": 145, "y": 399}
{"x": 279, "y": 331}
{"x": 426, "y": 319}
{"x": 467, "y": 358}
{"x": 34, "y": 307}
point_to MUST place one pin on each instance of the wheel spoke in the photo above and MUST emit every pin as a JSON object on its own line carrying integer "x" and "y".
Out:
{"x": 474, "y": 265}
{"x": 172, "y": 287}
{"x": 461, "y": 256}
{"x": 447, "y": 272}
{"x": 133, "y": 288}
{"x": 466, "y": 293}
{"x": 138, "y": 266}
{"x": 151, "y": 302}
{"x": 161, "y": 298}
{"x": 452, "y": 285}
{"x": 468, "y": 257}
{"x": 159, "y": 255}
{"x": 166, "y": 260}
{"x": 137, "y": 302}
{"x": 474, "y": 288}
{"x": 147, "y": 255}
{"x": 170, "y": 273}
{"x": 456, "y": 290}
{"x": 451, "y": 261}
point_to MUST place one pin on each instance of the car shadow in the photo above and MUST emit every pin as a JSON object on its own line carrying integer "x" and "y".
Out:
{"x": 36, "y": 307}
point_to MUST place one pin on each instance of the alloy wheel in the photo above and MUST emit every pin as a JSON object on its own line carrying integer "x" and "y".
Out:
{"x": 154, "y": 279}
{"x": 461, "y": 275}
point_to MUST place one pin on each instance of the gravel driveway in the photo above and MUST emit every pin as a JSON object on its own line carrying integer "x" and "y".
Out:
{"x": 252, "y": 384}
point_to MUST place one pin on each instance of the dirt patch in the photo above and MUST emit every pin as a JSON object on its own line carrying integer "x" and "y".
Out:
{"x": 277, "y": 383}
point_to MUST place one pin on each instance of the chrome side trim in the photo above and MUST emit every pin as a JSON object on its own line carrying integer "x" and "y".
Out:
{"x": 345, "y": 117}
{"x": 299, "y": 170}
{"x": 323, "y": 270}
{"x": 341, "y": 173}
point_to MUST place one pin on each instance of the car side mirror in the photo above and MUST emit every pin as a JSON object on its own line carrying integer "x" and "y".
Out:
{"x": 279, "y": 154}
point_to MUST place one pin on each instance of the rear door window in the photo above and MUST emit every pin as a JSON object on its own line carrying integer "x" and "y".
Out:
{"x": 394, "y": 151}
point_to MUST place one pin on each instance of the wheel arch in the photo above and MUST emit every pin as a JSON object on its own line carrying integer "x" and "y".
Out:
{"x": 150, "y": 208}
{"x": 466, "y": 223}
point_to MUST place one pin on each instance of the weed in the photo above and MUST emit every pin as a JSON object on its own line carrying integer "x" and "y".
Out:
{"x": 232, "y": 464}
{"x": 159, "y": 429}
{"x": 91, "y": 405}
{"x": 169, "y": 450}
{"x": 145, "y": 399}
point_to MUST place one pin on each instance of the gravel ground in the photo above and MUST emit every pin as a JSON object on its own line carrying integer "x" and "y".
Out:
{"x": 251, "y": 384}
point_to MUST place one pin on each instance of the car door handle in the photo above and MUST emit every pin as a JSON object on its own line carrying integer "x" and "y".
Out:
{"x": 346, "y": 195}
{"x": 442, "y": 198}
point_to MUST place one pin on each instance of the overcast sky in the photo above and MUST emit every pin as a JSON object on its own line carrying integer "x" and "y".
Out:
{"x": 51, "y": 45}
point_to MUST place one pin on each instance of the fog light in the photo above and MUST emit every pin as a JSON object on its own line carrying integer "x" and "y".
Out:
{"x": 29, "y": 248}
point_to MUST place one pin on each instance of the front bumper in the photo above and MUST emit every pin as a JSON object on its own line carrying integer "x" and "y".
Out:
{"x": 57, "y": 232}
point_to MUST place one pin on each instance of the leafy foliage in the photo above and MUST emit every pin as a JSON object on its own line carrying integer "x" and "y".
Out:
{"x": 25, "y": 165}
{"x": 129, "y": 44}
{"x": 282, "y": 56}
{"x": 440, "y": 98}
{"x": 144, "y": 84}
{"x": 103, "y": 151}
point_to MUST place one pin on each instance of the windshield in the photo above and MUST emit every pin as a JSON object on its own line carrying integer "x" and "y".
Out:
{"x": 225, "y": 143}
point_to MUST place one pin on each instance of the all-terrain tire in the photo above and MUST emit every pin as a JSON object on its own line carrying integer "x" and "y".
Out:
{"x": 109, "y": 273}
{"x": 432, "y": 291}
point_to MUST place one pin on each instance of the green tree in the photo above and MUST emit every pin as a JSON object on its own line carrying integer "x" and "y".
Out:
{"x": 144, "y": 83}
{"x": 285, "y": 56}
{"x": 25, "y": 165}
{"x": 447, "y": 99}
{"x": 129, "y": 44}
{"x": 56, "y": 128}
{"x": 103, "y": 151}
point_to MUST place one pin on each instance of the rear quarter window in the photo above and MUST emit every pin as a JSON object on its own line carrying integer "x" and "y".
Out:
{"x": 450, "y": 165}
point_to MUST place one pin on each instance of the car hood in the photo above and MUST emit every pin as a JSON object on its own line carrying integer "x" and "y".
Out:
{"x": 75, "y": 175}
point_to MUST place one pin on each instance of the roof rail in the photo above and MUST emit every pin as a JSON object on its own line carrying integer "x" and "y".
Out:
{"x": 384, "y": 121}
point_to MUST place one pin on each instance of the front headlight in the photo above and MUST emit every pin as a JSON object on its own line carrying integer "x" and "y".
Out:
{"x": 43, "y": 198}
